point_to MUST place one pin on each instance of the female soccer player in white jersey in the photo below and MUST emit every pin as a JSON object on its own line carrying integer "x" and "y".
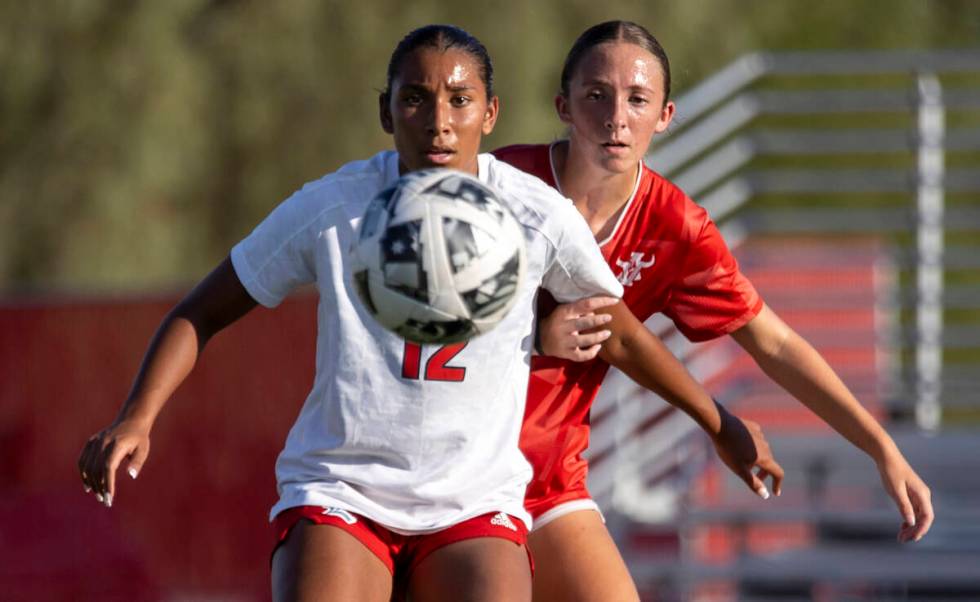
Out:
{"x": 382, "y": 472}
{"x": 615, "y": 86}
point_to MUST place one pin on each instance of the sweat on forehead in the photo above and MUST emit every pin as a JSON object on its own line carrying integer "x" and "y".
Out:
{"x": 614, "y": 31}
{"x": 441, "y": 37}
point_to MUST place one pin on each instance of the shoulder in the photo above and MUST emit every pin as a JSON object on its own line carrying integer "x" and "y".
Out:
{"x": 350, "y": 184}
{"x": 520, "y": 153}
{"x": 673, "y": 208}
{"x": 364, "y": 173}
{"x": 528, "y": 193}
{"x": 532, "y": 158}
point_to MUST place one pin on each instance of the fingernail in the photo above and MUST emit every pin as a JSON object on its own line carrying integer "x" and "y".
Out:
{"x": 98, "y": 496}
{"x": 763, "y": 493}
{"x": 87, "y": 489}
{"x": 133, "y": 472}
{"x": 606, "y": 334}
{"x": 108, "y": 500}
{"x": 911, "y": 521}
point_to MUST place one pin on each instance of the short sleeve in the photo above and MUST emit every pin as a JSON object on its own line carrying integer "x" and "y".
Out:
{"x": 578, "y": 270}
{"x": 712, "y": 297}
{"x": 277, "y": 257}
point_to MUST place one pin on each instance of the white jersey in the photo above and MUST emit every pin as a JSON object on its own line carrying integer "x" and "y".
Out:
{"x": 416, "y": 439}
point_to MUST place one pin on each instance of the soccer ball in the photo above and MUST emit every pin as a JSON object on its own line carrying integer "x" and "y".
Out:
{"x": 438, "y": 258}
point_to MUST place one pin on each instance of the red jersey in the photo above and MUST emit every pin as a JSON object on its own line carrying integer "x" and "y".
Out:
{"x": 670, "y": 258}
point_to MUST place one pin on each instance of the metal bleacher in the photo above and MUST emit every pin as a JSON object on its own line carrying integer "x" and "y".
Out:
{"x": 848, "y": 185}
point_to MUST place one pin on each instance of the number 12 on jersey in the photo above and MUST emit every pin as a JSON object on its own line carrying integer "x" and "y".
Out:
{"x": 435, "y": 368}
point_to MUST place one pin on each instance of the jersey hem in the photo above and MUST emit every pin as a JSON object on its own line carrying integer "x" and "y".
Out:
{"x": 728, "y": 328}
{"x": 328, "y": 502}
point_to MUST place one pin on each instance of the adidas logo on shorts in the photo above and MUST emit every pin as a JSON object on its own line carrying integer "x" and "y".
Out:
{"x": 502, "y": 520}
{"x": 342, "y": 514}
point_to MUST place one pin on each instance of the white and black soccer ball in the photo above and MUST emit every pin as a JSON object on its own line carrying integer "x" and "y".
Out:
{"x": 438, "y": 258}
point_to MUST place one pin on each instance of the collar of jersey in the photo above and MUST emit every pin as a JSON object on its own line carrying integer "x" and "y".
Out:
{"x": 622, "y": 213}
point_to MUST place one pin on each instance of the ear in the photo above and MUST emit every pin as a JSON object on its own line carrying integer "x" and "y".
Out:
{"x": 561, "y": 106}
{"x": 490, "y": 117}
{"x": 384, "y": 112}
{"x": 666, "y": 116}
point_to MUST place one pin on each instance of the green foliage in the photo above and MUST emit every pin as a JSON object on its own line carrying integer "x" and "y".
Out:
{"x": 139, "y": 140}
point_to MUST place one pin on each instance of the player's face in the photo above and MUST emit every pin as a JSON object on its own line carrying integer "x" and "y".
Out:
{"x": 615, "y": 105}
{"x": 438, "y": 110}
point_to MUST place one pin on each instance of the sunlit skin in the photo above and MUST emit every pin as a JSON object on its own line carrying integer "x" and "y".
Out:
{"x": 614, "y": 107}
{"x": 438, "y": 110}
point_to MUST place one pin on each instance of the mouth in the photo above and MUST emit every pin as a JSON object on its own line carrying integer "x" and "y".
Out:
{"x": 439, "y": 155}
{"x": 617, "y": 148}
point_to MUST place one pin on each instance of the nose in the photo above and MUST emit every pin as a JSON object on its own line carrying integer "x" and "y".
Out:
{"x": 440, "y": 119}
{"x": 616, "y": 120}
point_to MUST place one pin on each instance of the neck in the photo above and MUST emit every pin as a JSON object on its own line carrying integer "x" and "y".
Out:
{"x": 599, "y": 195}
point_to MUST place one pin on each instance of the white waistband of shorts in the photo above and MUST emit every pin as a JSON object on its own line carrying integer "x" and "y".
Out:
{"x": 566, "y": 508}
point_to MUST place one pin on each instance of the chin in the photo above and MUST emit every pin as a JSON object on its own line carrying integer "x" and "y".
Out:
{"x": 619, "y": 164}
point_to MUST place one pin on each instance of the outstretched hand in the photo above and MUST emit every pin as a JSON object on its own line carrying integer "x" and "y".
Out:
{"x": 911, "y": 495}
{"x": 105, "y": 451}
{"x": 742, "y": 447}
{"x": 563, "y": 333}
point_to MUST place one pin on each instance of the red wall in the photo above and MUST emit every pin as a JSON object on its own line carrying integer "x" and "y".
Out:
{"x": 195, "y": 522}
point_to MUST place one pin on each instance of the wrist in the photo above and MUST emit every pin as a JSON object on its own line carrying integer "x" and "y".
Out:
{"x": 715, "y": 423}
{"x": 135, "y": 417}
{"x": 884, "y": 451}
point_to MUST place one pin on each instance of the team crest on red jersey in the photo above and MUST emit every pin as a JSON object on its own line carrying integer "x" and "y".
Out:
{"x": 630, "y": 270}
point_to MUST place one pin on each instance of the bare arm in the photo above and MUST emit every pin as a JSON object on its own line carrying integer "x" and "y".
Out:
{"x": 217, "y": 301}
{"x": 797, "y": 367}
{"x": 572, "y": 332}
{"x": 643, "y": 357}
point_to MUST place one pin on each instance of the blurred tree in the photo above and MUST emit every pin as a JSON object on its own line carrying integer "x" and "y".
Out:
{"x": 139, "y": 141}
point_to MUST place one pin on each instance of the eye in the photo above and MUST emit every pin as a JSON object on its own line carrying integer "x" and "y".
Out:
{"x": 639, "y": 100}
{"x": 595, "y": 95}
{"x": 412, "y": 99}
{"x": 460, "y": 100}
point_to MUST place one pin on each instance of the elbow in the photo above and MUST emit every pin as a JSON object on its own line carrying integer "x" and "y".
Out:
{"x": 615, "y": 351}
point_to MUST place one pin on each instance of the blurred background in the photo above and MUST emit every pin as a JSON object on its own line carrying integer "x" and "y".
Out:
{"x": 837, "y": 144}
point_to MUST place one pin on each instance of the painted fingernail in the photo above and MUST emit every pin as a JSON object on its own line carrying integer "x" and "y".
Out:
{"x": 87, "y": 488}
{"x": 133, "y": 472}
{"x": 763, "y": 493}
{"x": 98, "y": 496}
{"x": 108, "y": 500}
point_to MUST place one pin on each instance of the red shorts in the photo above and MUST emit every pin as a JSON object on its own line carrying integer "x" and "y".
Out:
{"x": 402, "y": 553}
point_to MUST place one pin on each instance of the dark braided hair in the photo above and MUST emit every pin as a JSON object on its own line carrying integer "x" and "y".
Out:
{"x": 440, "y": 37}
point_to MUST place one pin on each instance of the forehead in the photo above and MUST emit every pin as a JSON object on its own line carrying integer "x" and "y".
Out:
{"x": 452, "y": 67}
{"x": 620, "y": 62}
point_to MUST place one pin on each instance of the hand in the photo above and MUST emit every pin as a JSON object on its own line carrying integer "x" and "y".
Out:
{"x": 562, "y": 333}
{"x": 741, "y": 446}
{"x": 911, "y": 495}
{"x": 104, "y": 452}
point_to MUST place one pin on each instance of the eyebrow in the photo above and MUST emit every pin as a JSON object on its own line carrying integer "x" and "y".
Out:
{"x": 602, "y": 82}
{"x": 423, "y": 88}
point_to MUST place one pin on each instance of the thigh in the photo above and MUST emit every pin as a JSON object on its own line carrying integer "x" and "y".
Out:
{"x": 576, "y": 560}
{"x": 483, "y": 569}
{"x": 323, "y": 562}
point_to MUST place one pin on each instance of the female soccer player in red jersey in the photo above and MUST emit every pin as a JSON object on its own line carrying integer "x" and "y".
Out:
{"x": 614, "y": 98}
